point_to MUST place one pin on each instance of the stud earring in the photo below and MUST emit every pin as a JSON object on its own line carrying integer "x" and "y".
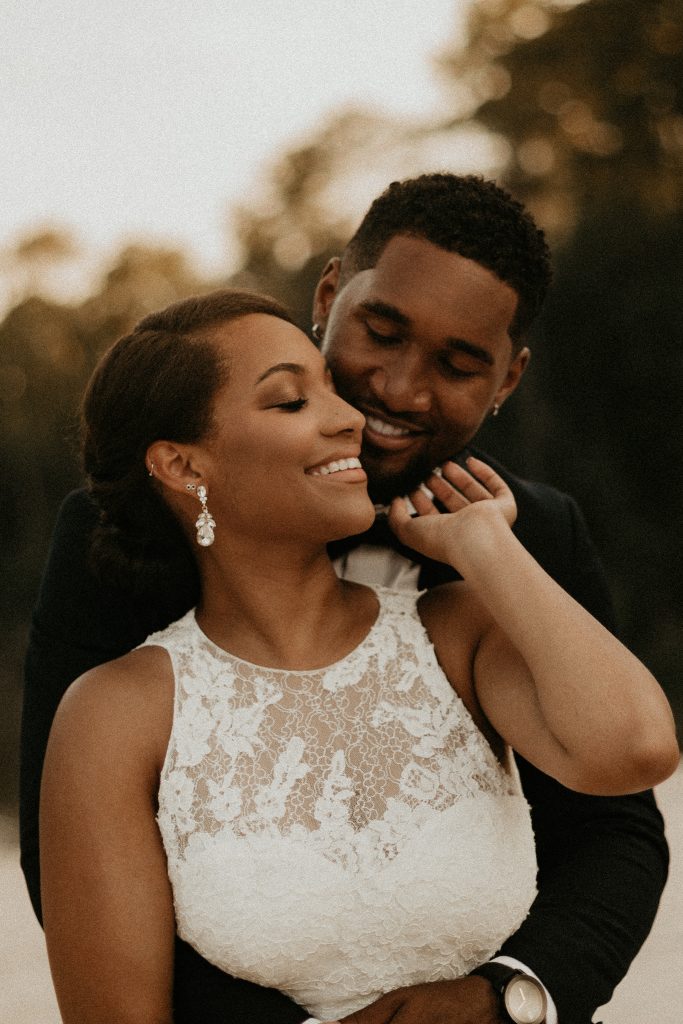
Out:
{"x": 496, "y": 409}
{"x": 205, "y": 523}
{"x": 317, "y": 332}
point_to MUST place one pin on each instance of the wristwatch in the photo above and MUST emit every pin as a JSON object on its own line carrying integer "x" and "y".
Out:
{"x": 522, "y": 997}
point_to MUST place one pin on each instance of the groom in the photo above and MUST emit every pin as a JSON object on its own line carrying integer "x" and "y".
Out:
{"x": 423, "y": 322}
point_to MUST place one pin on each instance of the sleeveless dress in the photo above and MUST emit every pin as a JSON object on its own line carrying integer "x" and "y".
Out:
{"x": 338, "y": 833}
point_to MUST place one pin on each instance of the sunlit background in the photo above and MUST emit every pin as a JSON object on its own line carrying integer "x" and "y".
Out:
{"x": 150, "y": 121}
{"x": 153, "y": 150}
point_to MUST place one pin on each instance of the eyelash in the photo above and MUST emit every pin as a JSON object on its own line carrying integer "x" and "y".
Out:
{"x": 453, "y": 371}
{"x": 392, "y": 339}
{"x": 294, "y": 406}
{"x": 382, "y": 339}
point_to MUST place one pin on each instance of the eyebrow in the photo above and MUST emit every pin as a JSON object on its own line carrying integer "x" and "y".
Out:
{"x": 388, "y": 312}
{"x": 295, "y": 368}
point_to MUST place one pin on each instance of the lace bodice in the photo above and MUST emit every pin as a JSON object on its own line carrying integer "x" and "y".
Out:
{"x": 339, "y": 832}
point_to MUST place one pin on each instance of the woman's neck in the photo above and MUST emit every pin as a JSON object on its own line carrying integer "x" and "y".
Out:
{"x": 287, "y": 611}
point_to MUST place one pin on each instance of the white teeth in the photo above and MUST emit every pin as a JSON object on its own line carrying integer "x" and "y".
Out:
{"x": 380, "y": 427}
{"x": 336, "y": 467}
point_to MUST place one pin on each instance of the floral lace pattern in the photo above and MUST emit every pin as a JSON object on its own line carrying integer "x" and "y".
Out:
{"x": 338, "y": 832}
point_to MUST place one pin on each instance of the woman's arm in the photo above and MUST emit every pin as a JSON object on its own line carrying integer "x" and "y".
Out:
{"x": 108, "y": 909}
{"x": 553, "y": 682}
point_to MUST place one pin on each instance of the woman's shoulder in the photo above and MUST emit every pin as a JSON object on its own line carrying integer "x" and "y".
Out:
{"x": 135, "y": 677}
{"x": 452, "y": 609}
{"x": 124, "y": 704}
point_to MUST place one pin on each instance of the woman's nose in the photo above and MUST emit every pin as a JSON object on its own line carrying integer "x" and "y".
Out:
{"x": 344, "y": 417}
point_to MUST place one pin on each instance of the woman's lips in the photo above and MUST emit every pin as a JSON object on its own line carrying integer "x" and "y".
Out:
{"x": 348, "y": 469}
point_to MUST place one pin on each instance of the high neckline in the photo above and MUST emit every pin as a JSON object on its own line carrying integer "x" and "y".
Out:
{"x": 223, "y": 653}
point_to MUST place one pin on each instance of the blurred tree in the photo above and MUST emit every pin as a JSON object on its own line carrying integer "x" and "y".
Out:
{"x": 312, "y": 198}
{"x": 32, "y": 265}
{"x": 589, "y": 97}
{"x": 47, "y": 351}
{"x": 304, "y": 211}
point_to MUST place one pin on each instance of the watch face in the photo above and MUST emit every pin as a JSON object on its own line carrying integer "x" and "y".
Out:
{"x": 525, "y": 1001}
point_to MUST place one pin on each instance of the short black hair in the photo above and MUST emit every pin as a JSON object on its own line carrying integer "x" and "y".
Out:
{"x": 464, "y": 214}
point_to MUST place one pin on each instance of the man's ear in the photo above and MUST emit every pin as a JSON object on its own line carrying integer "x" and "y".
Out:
{"x": 513, "y": 376}
{"x": 173, "y": 465}
{"x": 326, "y": 291}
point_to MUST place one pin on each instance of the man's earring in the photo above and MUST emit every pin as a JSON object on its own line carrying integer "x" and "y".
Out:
{"x": 317, "y": 332}
{"x": 205, "y": 523}
{"x": 496, "y": 409}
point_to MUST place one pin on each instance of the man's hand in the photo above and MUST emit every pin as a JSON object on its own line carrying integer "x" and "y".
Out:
{"x": 469, "y": 1000}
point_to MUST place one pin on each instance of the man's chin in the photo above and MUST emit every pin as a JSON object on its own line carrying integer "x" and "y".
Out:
{"x": 386, "y": 482}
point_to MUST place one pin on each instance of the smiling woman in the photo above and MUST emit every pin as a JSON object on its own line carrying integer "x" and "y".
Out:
{"x": 307, "y": 779}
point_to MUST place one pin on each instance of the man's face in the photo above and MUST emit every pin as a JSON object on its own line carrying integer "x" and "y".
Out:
{"x": 420, "y": 344}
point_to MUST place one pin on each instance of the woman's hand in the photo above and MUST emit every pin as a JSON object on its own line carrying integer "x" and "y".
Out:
{"x": 470, "y": 498}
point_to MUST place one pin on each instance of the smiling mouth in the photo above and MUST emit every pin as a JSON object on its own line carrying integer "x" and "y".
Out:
{"x": 382, "y": 434}
{"x": 349, "y": 467}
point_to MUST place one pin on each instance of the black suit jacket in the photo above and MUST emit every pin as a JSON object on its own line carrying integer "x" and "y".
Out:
{"x": 602, "y": 860}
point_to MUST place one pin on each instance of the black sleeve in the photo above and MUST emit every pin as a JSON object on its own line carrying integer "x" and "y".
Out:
{"x": 76, "y": 625}
{"x": 603, "y": 861}
{"x": 80, "y": 622}
{"x": 602, "y": 867}
{"x": 203, "y": 994}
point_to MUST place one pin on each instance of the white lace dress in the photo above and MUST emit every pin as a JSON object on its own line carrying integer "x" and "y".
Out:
{"x": 337, "y": 833}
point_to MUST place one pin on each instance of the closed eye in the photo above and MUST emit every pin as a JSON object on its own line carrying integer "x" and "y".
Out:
{"x": 450, "y": 370}
{"x": 293, "y": 406}
{"x": 382, "y": 339}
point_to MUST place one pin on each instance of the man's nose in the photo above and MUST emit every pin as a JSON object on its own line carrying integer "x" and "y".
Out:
{"x": 400, "y": 383}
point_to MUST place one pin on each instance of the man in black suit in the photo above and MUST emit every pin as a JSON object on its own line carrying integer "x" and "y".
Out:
{"x": 423, "y": 321}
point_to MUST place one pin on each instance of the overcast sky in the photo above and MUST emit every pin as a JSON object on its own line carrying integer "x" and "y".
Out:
{"x": 125, "y": 119}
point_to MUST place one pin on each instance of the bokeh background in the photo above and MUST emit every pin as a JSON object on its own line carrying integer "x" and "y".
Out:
{"x": 155, "y": 151}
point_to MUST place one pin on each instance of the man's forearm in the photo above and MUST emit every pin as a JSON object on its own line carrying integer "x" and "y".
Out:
{"x": 602, "y": 866}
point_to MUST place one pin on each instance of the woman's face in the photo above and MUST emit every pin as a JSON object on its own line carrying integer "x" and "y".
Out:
{"x": 283, "y": 455}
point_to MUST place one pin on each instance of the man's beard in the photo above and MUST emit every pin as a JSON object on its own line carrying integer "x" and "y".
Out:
{"x": 383, "y": 488}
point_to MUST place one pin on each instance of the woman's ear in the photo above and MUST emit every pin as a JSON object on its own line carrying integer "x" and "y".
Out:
{"x": 173, "y": 465}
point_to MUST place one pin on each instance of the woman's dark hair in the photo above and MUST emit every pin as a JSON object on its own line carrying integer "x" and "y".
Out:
{"x": 467, "y": 215}
{"x": 156, "y": 383}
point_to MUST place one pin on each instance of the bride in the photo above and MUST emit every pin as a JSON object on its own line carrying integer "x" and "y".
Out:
{"x": 309, "y": 779}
